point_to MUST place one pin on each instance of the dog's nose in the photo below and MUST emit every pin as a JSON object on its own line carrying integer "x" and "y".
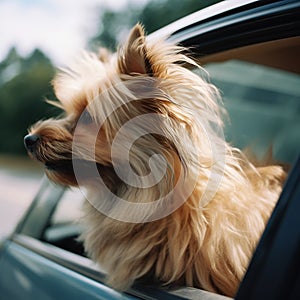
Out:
{"x": 30, "y": 141}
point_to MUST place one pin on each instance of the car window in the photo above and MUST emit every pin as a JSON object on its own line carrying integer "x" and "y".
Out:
{"x": 68, "y": 210}
{"x": 263, "y": 107}
{"x": 64, "y": 226}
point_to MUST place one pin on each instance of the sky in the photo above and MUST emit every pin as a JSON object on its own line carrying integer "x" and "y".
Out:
{"x": 60, "y": 28}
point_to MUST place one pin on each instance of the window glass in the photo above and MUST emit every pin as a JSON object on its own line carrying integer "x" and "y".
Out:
{"x": 64, "y": 226}
{"x": 68, "y": 209}
{"x": 263, "y": 106}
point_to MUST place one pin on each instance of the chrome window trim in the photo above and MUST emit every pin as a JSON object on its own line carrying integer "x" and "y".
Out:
{"x": 251, "y": 23}
{"x": 212, "y": 11}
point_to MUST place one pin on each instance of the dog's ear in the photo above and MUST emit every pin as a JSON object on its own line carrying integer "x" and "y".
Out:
{"x": 132, "y": 57}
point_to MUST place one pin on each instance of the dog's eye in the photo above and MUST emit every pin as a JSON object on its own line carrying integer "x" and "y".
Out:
{"x": 86, "y": 118}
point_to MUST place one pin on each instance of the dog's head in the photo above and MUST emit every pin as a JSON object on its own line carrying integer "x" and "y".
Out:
{"x": 136, "y": 117}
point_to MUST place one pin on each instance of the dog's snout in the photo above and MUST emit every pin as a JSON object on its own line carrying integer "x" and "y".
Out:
{"x": 30, "y": 141}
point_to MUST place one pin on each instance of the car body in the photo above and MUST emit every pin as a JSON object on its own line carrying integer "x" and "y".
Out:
{"x": 251, "y": 50}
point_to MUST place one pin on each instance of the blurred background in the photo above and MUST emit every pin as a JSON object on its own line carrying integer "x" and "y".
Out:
{"x": 37, "y": 36}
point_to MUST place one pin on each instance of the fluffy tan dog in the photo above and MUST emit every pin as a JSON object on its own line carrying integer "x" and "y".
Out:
{"x": 168, "y": 198}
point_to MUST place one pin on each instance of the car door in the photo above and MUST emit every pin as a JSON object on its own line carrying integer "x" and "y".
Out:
{"x": 274, "y": 272}
{"x": 43, "y": 259}
{"x": 39, "y": 261}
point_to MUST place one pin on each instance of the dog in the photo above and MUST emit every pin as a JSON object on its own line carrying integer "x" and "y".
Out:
{"x": 168, "y": 199}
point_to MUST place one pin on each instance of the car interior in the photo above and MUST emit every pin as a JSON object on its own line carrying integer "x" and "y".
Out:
{"x": 280, "y": 54}
{"x": 260, "y": 87}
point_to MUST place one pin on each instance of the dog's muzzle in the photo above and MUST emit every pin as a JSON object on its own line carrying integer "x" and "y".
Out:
{"x": 31, "y": 141}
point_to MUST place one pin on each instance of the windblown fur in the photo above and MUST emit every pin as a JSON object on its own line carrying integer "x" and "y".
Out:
{"x": 208, "y": 240}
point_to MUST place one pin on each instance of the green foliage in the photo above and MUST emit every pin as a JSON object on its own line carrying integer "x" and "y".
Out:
{"x": 24, "y": 82}
{"x": 158, "y": 13}
{"x": 154, "y": 15}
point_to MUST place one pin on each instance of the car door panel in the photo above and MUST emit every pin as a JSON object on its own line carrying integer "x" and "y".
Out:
{"x": 26, "y": 275}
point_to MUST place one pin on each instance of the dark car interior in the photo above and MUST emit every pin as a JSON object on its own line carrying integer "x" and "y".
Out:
{"x": 65, "y": 236}
{"x": 260, "y": 88}
{"x": 279, "y": 54}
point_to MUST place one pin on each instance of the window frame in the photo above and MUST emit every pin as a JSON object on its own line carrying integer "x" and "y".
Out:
{"x": 254, "y": 23}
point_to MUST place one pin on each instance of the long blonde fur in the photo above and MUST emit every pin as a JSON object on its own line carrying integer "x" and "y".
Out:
{"x": 208, "y": 240}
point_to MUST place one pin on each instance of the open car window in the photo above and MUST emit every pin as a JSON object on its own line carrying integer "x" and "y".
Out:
{"x": 64, "y": 226}
{"x": 68, "y": 209}
{"x": 263, "y": 105}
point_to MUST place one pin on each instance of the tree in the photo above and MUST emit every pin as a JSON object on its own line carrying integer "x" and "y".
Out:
{"x": 24, "y": 83}
{"x": 154, "y": 15}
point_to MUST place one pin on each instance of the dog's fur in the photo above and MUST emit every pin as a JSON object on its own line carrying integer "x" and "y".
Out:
{"x": 203, "y": 243}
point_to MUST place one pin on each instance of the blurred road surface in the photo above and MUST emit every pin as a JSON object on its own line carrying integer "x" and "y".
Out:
{"x": 18, "y": 185}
